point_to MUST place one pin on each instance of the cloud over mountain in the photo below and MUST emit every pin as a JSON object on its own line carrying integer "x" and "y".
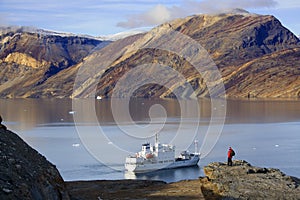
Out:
{"x": 155, "y": 15}
{"x": 161, "y": 13}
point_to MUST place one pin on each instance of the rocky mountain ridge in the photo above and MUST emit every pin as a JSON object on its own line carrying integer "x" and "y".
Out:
{"x": 233, "y": 41}
{"x": 29, "y": 58}
{"x": 256, "y": 56}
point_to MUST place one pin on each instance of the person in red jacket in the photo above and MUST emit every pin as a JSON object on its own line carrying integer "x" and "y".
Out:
{"x": 230, "y": 154}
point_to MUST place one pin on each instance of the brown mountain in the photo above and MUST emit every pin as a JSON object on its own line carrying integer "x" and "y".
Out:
{"x": 255, "y": 55}
{"x": 29, "y": 57}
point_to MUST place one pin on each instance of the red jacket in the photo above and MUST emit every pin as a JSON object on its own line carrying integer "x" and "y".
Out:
{"x": 229, "y": 154}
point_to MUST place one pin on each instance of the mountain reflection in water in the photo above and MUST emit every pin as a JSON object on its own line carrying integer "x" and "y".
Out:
{"x": 263, "y": 132}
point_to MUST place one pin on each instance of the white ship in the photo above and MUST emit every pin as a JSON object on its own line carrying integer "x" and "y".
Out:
{"x": 159, "y": 156}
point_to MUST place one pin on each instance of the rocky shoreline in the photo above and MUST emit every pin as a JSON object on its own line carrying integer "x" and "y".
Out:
{"x": 26, "y": 174}
{"x": 243, "y": 181}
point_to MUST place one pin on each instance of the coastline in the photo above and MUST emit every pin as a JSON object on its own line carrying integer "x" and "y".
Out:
{"x": 241, "y": 181}
{"x": 26, "y": 173}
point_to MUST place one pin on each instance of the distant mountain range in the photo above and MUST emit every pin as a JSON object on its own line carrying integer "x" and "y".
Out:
{"x": 44, "y": 32}
{"x": 256, "y": 56}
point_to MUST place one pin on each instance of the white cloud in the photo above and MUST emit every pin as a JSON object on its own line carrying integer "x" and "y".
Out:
{"x": 155, "y": 15}
{"x": 160, "y": 13}
{"x": 98, "y": 17}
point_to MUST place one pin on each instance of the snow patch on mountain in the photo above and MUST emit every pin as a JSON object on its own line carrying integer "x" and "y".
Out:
{"x": 121, "y": 35}
{"x": 111, "y": 37}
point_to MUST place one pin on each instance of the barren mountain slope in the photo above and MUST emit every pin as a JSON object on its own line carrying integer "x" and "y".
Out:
{"x": 255, "y": 55}
{"x": 29, "y": 58}
{"x": 233, "y": 41}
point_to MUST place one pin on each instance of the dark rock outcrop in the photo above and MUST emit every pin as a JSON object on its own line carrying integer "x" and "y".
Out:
{"x": 243, "y": 181}
{"x": 26, "y": 174}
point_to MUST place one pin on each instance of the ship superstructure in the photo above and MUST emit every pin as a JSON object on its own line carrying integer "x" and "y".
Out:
{"x": 159, "y": 156}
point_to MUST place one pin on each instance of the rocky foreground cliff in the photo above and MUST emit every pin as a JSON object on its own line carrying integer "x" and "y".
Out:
{"x": 26, "y": 174}
{"x": 257, "y": 57}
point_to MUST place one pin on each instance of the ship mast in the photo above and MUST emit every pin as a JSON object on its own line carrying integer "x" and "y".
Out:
{"x": 156, "y": 138}
{"x": 196, "y": 146}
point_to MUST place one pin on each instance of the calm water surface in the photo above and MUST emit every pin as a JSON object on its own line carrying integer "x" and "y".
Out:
{"x": 265, "y": 133}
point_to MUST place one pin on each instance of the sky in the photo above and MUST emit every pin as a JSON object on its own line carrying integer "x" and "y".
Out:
{"x": 104, "y": 17}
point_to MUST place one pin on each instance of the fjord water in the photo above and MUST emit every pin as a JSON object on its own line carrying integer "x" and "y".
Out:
{"x": 266, "y": 133}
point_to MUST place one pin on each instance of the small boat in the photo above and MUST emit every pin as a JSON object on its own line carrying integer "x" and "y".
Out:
{"x": 159, "y": 156}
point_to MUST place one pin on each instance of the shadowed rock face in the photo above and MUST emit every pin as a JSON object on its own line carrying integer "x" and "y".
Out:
{"x": 255, "y": 54}
{"x": 25, "y": 174}
{"x": 233, "y": 39}
{"x": 273, "y": 75}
